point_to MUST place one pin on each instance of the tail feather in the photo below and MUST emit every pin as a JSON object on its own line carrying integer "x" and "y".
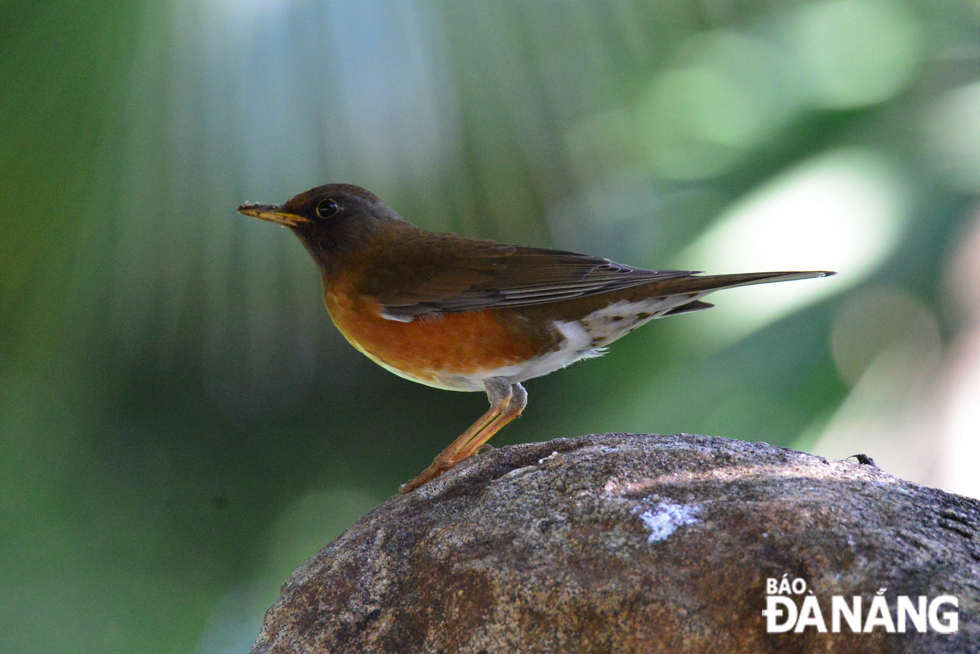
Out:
{"x": 696, "y": 305}
{"x": 708, "y": 283}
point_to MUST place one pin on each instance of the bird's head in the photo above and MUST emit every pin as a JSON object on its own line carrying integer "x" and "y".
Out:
{"x": 329, "y": 220}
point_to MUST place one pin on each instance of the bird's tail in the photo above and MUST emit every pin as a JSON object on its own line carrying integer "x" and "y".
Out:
{"x": 707, "y": 283}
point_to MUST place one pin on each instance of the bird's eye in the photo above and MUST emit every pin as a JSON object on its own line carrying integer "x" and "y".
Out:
{"x": 327, "y": 208}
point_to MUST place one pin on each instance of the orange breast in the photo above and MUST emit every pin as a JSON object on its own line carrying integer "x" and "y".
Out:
{"x": 450, "y": 351}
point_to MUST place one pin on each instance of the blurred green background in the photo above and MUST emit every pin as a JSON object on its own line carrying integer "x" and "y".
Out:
{"x": 180, "y": 424}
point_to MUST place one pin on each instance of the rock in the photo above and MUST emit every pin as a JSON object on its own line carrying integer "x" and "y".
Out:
{"x": 639, "y": 543}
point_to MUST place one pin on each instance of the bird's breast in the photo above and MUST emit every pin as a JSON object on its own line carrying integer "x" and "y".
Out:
{"x": 455, "y": 351}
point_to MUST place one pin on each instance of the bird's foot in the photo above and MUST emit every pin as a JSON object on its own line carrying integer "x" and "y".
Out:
{"x": 439, "y": 466}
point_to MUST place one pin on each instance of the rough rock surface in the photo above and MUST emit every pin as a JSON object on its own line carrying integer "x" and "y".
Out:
{"x": 634, "y": 543}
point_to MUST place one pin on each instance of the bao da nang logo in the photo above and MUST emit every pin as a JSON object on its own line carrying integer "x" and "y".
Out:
{"x": 792, "y": 607}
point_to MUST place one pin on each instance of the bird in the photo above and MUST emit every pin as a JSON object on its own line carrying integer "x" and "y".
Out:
{"x": 463, "y": 314}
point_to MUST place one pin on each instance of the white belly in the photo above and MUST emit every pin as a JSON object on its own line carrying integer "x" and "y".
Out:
{"x": 584, "y": 339}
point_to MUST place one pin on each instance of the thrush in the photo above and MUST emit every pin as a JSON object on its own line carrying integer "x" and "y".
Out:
{"x": 473, "y": 315}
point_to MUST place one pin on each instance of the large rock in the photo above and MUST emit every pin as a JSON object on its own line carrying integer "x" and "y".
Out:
{"x": 639, "y": 543}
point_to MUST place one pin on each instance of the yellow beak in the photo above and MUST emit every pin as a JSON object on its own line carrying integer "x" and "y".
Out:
{"x": 272, "y": 213}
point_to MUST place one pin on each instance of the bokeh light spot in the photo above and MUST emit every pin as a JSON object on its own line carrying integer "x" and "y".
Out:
{"x": 725, "y": 94}
{"x": 891, "y": 404}
{"x": 844, "y": 211}
{"x": 857, "y": 52}
{"x": 951, "y": 128}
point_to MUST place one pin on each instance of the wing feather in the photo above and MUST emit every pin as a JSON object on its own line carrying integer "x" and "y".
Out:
{"x": 476, "y": 275}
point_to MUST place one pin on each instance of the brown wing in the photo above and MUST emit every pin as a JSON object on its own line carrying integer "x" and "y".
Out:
{"x": 464, "y": 275}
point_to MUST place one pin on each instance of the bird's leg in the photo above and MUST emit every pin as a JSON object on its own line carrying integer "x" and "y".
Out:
{"x": 512, "y": 410}
{"x": 506, "y": 403}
